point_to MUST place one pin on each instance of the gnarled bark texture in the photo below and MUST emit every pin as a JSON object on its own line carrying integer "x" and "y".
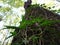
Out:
{"x": 39, "y": 35}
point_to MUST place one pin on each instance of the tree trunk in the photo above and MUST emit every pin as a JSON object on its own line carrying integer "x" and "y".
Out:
{"x": 50, "y": 34}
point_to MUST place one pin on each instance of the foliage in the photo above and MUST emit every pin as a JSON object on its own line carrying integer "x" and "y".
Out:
{"x": 15, "y": 3}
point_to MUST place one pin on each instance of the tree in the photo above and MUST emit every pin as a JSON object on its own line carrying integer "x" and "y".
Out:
{"x": 39, "y": 26}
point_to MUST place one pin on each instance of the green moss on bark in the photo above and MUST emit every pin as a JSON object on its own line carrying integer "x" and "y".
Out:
{"x": 39, "y": 26}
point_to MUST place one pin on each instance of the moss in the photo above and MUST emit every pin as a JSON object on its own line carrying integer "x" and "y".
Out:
{"x": 38, "y": 26}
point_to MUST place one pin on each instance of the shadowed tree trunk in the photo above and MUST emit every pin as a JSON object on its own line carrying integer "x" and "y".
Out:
{"x": 37, "y": 34}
